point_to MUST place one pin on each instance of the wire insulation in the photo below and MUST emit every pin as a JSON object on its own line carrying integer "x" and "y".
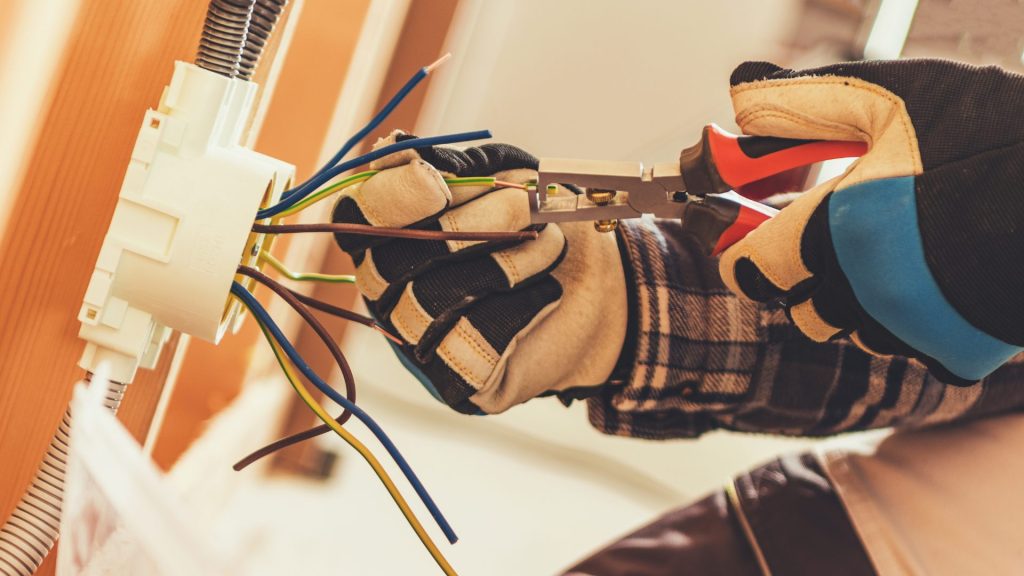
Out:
{"x": 29, "y": 532}
{"x": 367, "y": 230}
{"x": 304, "y": 276}
{"x": 223, "y": 37}
{"x": 382, "y": 115}
{"x": 297, "y": 194}
{"x": 363, "y": 451}
{"x": 259, "y": 312}
{"x": 332, "y": 346}
{"x": 265, "y": 14}
{"x": 327, "y": 192}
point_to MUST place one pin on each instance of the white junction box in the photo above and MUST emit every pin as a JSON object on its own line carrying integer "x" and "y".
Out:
{"x": 182, "y": 224}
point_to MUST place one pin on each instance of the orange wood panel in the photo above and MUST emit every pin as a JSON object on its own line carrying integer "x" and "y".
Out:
{"x": 118, "y": 58}
{"x": 421, "y": 41}
{"x": 116, "y": 65}
{"x": 293, "y": 130}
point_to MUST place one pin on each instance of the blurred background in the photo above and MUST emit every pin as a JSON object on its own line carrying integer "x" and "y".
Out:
{"x": 529, "y": 491}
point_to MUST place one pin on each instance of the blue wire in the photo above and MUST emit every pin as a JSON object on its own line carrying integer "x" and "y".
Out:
{"x": 264, "y": 318}
{"x": 323, "y": 177}
{"x": 370, "y": 126}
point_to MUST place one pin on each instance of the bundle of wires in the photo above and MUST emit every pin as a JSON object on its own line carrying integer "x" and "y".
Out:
{"x": 317, "y": 188}
{"x": 288, "y": 357}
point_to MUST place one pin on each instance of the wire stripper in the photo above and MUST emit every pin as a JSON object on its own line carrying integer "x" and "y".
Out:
{"x": 700, "y": 189}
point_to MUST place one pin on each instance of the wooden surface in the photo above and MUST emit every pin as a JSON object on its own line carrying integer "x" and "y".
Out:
{"x": 33, "y": 36}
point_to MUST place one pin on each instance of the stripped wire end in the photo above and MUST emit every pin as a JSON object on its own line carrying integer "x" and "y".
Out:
{"x": 503, "y": 184}
{"x": 437, "y": 63}
{"x": 387, "y": 334}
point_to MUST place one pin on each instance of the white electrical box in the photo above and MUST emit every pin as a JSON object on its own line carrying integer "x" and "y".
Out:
{"x": 182, "y": 224}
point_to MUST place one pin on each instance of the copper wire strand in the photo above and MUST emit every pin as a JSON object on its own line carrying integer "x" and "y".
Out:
{"x": 367, "y": 230}
{"x": 300, "y": 308}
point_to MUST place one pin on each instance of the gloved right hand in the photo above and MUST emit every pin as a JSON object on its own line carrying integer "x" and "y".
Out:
{"x": 918, "y": 249}
{"x": 486, "y": 325}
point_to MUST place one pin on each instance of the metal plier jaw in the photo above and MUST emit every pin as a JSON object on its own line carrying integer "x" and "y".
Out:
{"x": 696, "y": 189}
{"x": 636, "y": 190}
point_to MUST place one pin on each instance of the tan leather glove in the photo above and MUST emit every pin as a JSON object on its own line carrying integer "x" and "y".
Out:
{"x": 486, "y": 325}
{"x": 917, "y": 249}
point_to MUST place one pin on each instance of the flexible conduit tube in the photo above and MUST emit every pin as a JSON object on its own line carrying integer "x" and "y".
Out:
{"x": 264, "y": 16}
{"x": 30, "y": 532}
{"x": 224, "y": 35}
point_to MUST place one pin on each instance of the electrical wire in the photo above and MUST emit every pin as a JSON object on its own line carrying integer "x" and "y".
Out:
{"x": 259, "y": 312}
{"x": 363, "y": 451}
{"x": 374, "y": 122}
{"x": 327, "y": 192}
{"x": 318, "y": 328}
{"x": 483, "y": 181}
{"x": 298, "y": 437}
{"x": 315, "y": 182}
{"x": 304, "y": 276}
{"x": 346, "y": 314}
{"x": 277, "y": 445}
{"x": 367, "y": 230}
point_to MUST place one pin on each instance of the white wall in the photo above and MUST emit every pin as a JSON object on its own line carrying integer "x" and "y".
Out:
{"x": 600, "y": 78}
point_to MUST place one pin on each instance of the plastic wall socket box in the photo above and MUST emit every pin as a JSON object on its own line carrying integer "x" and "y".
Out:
{"x": 182, "y": 224}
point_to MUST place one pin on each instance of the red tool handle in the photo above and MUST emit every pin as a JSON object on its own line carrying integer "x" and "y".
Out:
{"x": 724, "y": 161}
{"x": 721, "y": 220}
{"x": 749, "y": 215}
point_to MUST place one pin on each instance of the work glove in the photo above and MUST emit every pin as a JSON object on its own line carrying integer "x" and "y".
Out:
{"x": 918, "y": 248}
{"x": 485, "y": 325}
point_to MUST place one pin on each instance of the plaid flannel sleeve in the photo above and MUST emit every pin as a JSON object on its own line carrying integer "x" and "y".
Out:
{"x": 703, "y": 359}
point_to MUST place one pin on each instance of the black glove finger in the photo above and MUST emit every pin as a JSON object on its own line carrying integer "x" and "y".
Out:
{"x": 389, "y": 266}
{"x": 430, "y": 305}
{"x": 465, "y": 359}
{"x": 485, "y": 160}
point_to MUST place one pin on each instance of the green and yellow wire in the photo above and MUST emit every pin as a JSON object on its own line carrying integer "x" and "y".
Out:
{"x": 329, "y": 191}
{"x": 347, "y": 436}
{"x": 304, "y": 276}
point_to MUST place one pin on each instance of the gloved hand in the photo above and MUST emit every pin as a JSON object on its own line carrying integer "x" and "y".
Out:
{"x": 486, "y": 325}
{"x": 918, "y": 249}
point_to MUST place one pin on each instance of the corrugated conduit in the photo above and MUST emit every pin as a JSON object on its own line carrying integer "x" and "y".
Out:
{"x": 30, "y": 532}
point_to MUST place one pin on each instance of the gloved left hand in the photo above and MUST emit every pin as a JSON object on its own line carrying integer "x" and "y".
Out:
{"x": 918, "y": 249}
{"x": 486, "y": 325}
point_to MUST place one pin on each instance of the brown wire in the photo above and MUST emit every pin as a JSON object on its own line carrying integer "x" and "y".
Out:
{"x": 367, "y": 230}
{"x": 322, "y": 428}
{"x": 332, "y": 346}
{"x": 334, "y": 310}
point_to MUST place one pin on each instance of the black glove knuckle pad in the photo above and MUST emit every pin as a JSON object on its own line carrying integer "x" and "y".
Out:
{"x": 467, "y": 285}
